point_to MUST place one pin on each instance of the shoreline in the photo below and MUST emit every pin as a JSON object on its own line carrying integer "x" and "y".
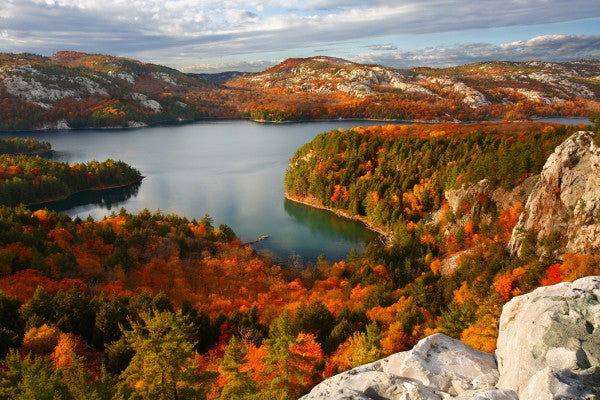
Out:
{"x": 386, "y": 236}
{"x": 93, "y": 189}
{"x": 40, "y": 153}
{"x": 259, "y": 121}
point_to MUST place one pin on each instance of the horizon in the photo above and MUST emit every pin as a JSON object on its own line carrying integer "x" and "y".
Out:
{"x": 210, "y": 36}
{"x": 308, "y": 58}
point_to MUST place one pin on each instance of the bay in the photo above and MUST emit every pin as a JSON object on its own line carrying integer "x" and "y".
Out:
{"x": 232, "y": 170}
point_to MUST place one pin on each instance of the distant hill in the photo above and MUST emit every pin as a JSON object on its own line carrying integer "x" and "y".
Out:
{"x": 326, "y": 87}
{"x": 74, "y": 90}
{"x": 219, "y": 77}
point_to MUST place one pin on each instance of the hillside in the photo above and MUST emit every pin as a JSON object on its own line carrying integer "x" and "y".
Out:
{"x": 75, "y": 90}
{"x": 326, "y": 87}
{"x": 28, "y": 178}
{"x": 543, "y": 353}
{"x": 78, "y": 90}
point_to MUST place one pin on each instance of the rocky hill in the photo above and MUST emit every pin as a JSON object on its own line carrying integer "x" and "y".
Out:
{"x": 475, "y": 91}
{"x": 548, "y": 348}
{"x": 72, "y": 89}
{"x": 476, "y": 85}
{"x": 564, "y": 205}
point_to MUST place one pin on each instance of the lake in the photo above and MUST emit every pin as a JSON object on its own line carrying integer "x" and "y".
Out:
{"x": 232, "y": 170}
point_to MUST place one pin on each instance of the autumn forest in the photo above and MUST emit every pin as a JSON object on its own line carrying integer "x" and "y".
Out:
{"x": 152, "y": 305}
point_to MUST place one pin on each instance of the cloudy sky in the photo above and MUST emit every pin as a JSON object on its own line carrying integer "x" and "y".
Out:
{"x": 250, "y": 35}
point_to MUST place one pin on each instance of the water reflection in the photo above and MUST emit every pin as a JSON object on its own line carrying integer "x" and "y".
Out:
{"x": 109, "y": 199}
{"x": 323, "y": 221}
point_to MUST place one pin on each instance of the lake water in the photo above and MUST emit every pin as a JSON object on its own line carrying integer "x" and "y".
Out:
{"x": 232, "y": 170}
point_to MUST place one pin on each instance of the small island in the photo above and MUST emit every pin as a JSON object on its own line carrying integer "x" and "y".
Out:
{"x": 31, "y": 179}
{"x": 25, "y": 146}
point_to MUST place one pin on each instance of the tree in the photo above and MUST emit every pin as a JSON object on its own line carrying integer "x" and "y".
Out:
{"x": 161, "y": 363}
{"x": 238, "y": 383}
{"x": 290, "y": 361}
{"x": 30, "y": 378}
{"x": 10, "y": 324}
{"x": 41, "y": 340}
{"x": 68, "y": 348}
{"x": 111, "y": 314}
{"x": 315, "y": 318}
{"x": 39, "y": 310}
{"x": 360, "y": 348}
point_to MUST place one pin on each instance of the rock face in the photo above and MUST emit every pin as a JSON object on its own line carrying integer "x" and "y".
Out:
{"x": 465, "y": 203}
{"x": 549, "y": 342}
{"x": 548, "y": 348}
{"x": 566, "y": 198}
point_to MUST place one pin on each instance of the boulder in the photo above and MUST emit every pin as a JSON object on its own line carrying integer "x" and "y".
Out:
{"x": 445, "y": 364}
{"x": 549, "y": 342}
{"x": 438, "y": 367}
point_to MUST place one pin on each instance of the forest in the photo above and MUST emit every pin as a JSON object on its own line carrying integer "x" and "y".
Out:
{"x": 157, "y": 306}
{"x": 398, "y": 173}
{"x": 32, "y": 179}
{"x": 24, "y": 146}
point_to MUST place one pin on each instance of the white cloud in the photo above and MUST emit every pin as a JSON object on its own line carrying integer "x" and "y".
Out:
{"x": 161, "y": 30}
{"x": 383, "y": 47}
{"x": 545, "y": 48}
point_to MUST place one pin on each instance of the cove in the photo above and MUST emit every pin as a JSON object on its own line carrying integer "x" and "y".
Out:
{"x": 232, "y": 170}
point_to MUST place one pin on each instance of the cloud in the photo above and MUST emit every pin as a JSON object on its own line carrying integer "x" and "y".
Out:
{"x": 181, "y": 32}
{"x": 245, "y": 66}
{"x": 544, "y": 48}
{"x": 382, "y": 47}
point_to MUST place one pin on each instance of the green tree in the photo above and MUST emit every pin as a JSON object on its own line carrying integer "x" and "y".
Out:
{"x": 161, "y": 363}
{"x": 239, "y": 383}
{"x": 30, "y": 378}
{"x": 315, "y": 318}
{"x": 10, "y": 324}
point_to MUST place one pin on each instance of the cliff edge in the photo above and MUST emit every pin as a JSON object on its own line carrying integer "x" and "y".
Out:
{"x": 548, "y": 348}
{"x": 565, "y": 201}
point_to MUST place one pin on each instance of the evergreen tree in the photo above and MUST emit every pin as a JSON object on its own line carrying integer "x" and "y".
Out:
{"x": 239, "y": 384}
{"x": 161, "y": 362}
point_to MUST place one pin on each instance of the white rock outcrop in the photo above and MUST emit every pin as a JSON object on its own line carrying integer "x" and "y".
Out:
{"x": 145, "y": 102}
{"x": 27, "y": 83}
{"x": 566, "y": 198}
{"x": 548, "y": 348}
{"x": 438, "y": 367}
{"x": 549, "y": 342}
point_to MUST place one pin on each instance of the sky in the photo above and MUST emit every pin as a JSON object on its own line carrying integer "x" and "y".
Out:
{"x": 251, "y": 35}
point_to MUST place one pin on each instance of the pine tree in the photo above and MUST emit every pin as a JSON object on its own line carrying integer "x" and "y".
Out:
{"x": 238, "y": 384}
{"x": 161, "y": 362}
{"x": 291, "y": 360}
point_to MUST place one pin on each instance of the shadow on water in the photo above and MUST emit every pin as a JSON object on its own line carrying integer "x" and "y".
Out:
{"x": 326, "y": 222}
{"x": 107, "y": 198}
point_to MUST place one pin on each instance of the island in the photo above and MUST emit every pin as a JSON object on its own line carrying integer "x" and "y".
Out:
{"x": 30, "y": 179}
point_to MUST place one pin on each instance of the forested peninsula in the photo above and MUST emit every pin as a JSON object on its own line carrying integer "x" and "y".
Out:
{"x": 31, "y": 179}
